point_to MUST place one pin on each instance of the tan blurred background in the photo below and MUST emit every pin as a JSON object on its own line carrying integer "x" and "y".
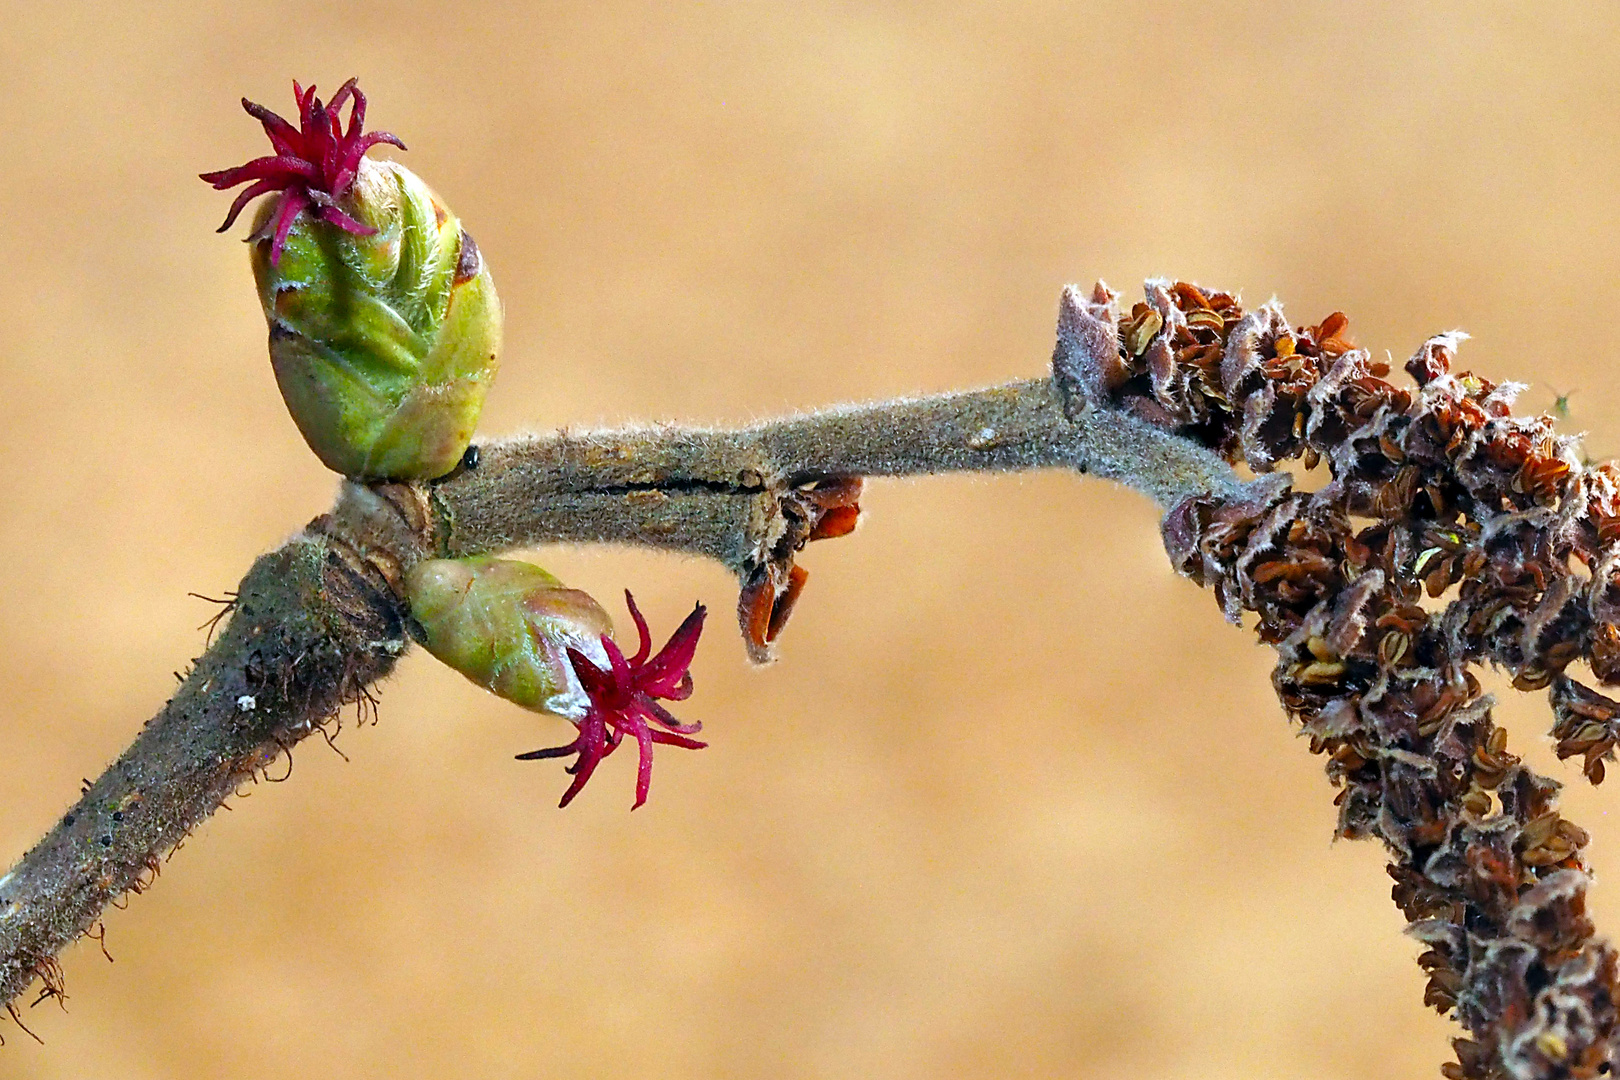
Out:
{"x": 1015, "y": 802}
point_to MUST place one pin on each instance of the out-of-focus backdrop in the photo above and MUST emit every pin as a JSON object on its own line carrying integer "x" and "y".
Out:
{"x": 1015, "y": 801}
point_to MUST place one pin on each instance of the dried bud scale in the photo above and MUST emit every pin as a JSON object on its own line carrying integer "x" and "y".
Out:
{"x": 1433, "y": 490}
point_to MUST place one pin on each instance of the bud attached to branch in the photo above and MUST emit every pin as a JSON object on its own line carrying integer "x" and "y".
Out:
{"x": 508, "y": 626}
{"x": 385, "y": 329}
{"x": 517, "y": 631}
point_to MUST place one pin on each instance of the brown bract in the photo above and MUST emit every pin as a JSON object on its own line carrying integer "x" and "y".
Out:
{"x": 817, "y": 510}
{"x": 1448, "y": 533}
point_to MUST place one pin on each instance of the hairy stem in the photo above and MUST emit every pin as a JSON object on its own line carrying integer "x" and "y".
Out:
{"x": 690, "y": 489}
{"x": 310, "y": 630}
{"x": 319, "y": 620}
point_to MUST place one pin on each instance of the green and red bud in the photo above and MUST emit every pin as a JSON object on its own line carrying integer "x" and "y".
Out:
{"x": 384, "y": 345}
{"x": 385, "y": 329}
{"x": 515, "y": 630}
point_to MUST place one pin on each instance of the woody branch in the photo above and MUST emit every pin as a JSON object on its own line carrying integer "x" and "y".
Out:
{"x": 316, "y": 623}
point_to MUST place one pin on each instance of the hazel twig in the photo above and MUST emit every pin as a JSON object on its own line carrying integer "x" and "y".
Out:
{"x": 1432, "y": 489}
{"x": 317, "y": 622}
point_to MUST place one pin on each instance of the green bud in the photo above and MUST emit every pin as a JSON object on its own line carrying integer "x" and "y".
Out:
{"x": 384, "y": 344}
{"x": 508, "y": 625}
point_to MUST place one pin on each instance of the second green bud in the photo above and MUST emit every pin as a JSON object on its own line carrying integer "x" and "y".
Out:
{"x": 508, "y": 625}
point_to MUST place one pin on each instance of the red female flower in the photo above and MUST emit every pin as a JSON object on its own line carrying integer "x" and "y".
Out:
{"x": 314, "y": 164}
{"x": 622, "y": 697}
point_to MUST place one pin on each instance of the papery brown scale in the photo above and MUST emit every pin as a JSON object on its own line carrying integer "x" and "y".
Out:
{"x": 1441, "y": 577}
{"x": 1330, "y": 335}
{"x": 1605, "y": 653}
{"x": 1608, "y": 525}
{"x": 1532, "y": 678}
{"x": 1391, "y": 449}
{"x": 1418, "y": 898}
{"x": 1544, "y": 478}
{"x": 1394, "y": 499}
{"x": 1139, "y": 328}
{"x": 1441, "y": 992}
{"x": 1188, "y": 296}
{"x": 1511, "y": 450}
{"x": 1405, "y": 617}
{"x": 1561, "y": 653}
